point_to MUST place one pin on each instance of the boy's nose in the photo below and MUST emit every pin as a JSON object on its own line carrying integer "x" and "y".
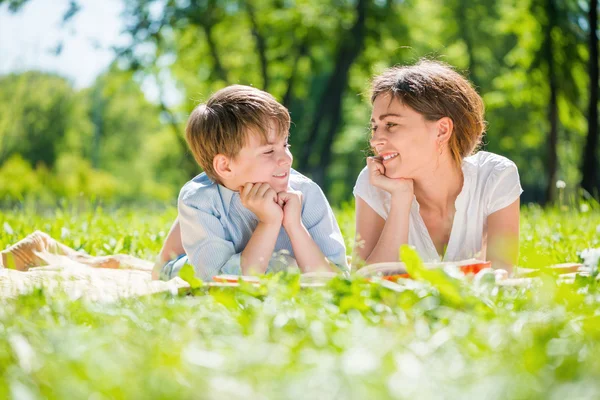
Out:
{"x": 285, "y": 159}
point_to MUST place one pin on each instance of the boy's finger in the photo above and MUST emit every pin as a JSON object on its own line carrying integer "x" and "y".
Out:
{"x": 271, "y": 194}
{"x": 264, "y": 188}
{"x": 280, "y": 201}
{"x": 254, "y": 189}
{"x": 247, "y": 187}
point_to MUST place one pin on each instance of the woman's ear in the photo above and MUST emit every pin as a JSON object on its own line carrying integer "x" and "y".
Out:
{"x": 445, "y": 129}
{"x": 222, "y": 166}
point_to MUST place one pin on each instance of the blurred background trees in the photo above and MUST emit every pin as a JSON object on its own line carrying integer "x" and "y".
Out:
{"x": 535, "y": 62}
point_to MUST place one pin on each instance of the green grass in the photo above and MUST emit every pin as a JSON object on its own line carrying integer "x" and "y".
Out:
{"x": 353, "y": 339}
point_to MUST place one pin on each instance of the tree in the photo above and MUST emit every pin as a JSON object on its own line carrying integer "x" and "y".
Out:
{"x": 542, "y": 88}
{"x": 41, "y": 116}
{"x": 590, "y": 167}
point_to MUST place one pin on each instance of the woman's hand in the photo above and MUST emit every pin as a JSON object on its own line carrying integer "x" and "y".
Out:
{"x": 397, "y": 187}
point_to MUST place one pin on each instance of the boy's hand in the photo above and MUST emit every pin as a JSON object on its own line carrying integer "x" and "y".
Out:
{"x": 291, "y": 203}
{"x": 261, "y": 199}
{"x": 398, "y": 187}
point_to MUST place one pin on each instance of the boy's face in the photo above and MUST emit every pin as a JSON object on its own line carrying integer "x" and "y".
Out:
{"x": 259, "y": 162}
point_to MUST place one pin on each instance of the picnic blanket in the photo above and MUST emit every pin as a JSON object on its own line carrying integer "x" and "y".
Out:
{"x": 80, "y": 281}
{"x": 77, "y": 280}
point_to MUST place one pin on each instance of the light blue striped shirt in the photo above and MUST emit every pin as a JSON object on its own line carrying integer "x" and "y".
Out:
{"x": 215, "y": 228}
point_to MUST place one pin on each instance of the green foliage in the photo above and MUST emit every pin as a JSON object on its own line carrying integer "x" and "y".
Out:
{"x": 317, "y": 58}
{"x": 188, "y": 274}
{"x": 40, "y": 117}
{"x": 104, "y": 143}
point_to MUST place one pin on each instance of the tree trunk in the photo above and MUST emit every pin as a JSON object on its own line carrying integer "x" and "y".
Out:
{"x": 330, "y": 103}
{"x": 98, "y": 120}
{"x": 187, "y": 162}
{"x": 465, "y": 29}
{"x": 302, "y": 51}
{"x": 590, "y": 180}
{"x": 261, "y": 46}
{"x": 206, "y": 22}
{"x": 552, "y": 158}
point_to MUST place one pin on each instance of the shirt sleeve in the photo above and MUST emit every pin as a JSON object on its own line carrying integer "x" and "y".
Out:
{"x": 205, "y": 242}
{"x": 504, "y": 187}
{"x": 370, "y": 194}
{"x": 319, "y": 220}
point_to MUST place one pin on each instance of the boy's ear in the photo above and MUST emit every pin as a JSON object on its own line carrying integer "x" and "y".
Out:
{"x": 222, "y": 166}
{"x": 445, "y": 129}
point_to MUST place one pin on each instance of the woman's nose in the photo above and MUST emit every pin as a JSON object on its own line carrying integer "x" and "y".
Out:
{"x": 377, "y": 139}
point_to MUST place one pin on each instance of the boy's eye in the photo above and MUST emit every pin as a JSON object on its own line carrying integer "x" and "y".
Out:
{"x": 390, "y": 124}
{"x": 269, "y": 152}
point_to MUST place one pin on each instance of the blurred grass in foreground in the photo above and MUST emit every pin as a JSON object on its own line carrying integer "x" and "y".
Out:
{"x": 353, "y": 340}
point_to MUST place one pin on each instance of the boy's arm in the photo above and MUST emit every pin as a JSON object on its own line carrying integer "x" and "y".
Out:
{"x": 257, "y": 254}
{"x": 313, "y": 230}
{"x": 205, "y": 243}
{"x": 261, "y": 199}
{"x": 309, "y": 256}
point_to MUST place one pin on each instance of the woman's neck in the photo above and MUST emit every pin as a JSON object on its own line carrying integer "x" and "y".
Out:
{"x": 436, "y": 190}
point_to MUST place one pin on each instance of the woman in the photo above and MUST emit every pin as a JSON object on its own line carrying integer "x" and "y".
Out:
{"x": 425, "y": 187}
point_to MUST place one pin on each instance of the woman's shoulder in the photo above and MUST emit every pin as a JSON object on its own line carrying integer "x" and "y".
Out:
{"x": 363, "y": 187}
{"x": 486, "y": 165}
{"x": 377, "y": 199}
{"x": 363, "y": 176}
{"x": 495, "y": 179}
{"x": 486, "y": 160}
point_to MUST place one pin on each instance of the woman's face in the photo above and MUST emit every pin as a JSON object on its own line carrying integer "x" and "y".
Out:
{"x": 402, "y": 136}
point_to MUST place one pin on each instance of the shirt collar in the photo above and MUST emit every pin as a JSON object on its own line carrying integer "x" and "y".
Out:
{"x": 226, "y": 196}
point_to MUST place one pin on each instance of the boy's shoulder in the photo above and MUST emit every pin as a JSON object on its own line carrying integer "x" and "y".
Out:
{"x": 200, "y": 187}
{"x": 301, "y": 182}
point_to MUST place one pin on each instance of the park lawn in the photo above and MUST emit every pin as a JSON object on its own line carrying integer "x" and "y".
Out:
{"x": 443, "y": 338}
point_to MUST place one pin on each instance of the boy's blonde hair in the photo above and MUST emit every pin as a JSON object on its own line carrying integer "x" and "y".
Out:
{"x": 223, "y": 124}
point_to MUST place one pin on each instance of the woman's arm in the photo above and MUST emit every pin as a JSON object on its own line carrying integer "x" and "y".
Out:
{"x": 503, "y": 237}
{"x": 379, "y": 240}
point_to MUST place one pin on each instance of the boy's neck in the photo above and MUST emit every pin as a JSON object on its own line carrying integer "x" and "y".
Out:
{"x": 229, "y": 185}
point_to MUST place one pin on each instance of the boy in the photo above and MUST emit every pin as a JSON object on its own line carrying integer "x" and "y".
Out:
{"x": 249, "y": 204}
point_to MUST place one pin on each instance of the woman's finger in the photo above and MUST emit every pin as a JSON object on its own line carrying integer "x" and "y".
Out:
{"x": 375, "y": 167}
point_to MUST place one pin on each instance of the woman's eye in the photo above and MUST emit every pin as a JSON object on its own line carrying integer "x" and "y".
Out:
{"x": 390, "y": 124}
{"x": 269, "y": 152}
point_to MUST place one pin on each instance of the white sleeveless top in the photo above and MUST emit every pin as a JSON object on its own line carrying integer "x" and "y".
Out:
{"x": 491, "y": 183}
